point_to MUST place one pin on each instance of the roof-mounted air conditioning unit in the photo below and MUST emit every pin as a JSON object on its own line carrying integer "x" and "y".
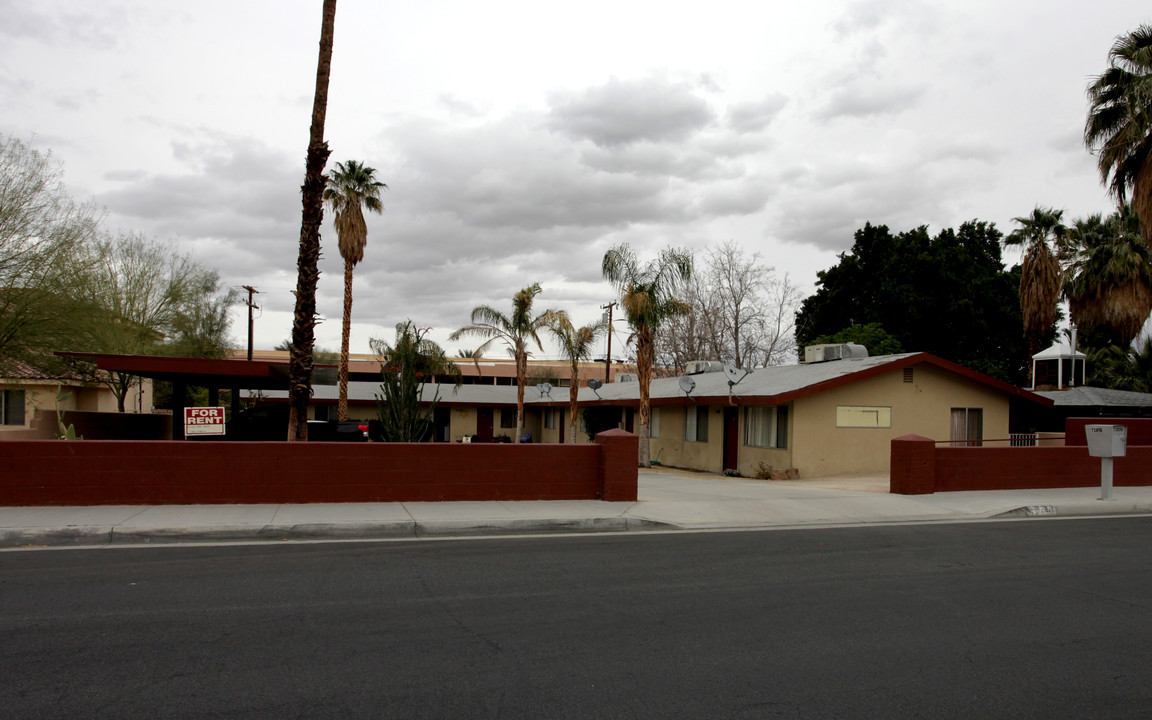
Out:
{"x": 836, "y": 351}
{"x": 698, "y": 367}
{"x": 627, "y": 377}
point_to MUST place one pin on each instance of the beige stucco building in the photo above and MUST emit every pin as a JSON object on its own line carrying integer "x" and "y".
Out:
{"x": 826, "y": 418}
{"x": 30, "y": 400}
{"x": 818, "y": 418}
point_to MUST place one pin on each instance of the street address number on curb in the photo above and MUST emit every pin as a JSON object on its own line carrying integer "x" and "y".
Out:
{"x": 1040, "y": 510}
{"x": 203, "y": 421}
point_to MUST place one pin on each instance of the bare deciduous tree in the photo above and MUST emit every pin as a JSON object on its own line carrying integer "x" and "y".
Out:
{"x": 742, "y": 313}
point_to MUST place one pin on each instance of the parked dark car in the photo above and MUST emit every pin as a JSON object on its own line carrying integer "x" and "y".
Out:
{"x": 269, "y": 423}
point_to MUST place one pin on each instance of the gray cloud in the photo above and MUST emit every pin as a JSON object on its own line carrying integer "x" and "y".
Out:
{"x": 864, "y": 99}
{"x": 23, "y": 22}
{"x": 621, "y": 112}
{"x": 753, "y": 117}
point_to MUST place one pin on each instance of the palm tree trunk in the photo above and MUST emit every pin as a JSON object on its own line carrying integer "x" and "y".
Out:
{"x": 573, "y": 394}
{"x": 644, "y": 370}
{"x": 345, "y": 331}
{"x": 308, "y": 270}
{"x": 521, "y": 378}
{"x": 1142, "y": 200}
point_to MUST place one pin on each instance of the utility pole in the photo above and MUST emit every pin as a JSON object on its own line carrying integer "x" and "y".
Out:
{"x": 251, "y": 306}
{"x": 608, "y": 357}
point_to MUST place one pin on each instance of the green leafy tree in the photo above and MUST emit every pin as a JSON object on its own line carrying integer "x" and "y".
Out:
{"x": 1119, "y": 125}
{"x": 44, "y": 239}
{"x": 516, "y": 331}
{"x": 648, "y": 295}
{"x": 405, "y": 367}
{"x": 1040, "y": 278}
{"x": 576, "y": 344}
{"x": 308, "y": 260}
{"x": 949, "y": 295}
{"x": 145, "y": 298}
{"x": 352, "y": 186}
{"x": 871, "y": 335}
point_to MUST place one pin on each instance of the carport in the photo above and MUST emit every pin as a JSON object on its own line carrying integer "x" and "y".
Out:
{"x": 211, "y": 374}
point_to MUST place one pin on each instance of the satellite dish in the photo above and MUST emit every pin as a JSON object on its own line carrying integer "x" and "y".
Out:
{"x": 545, "y": 389}
{"x": 687, "y": 384}
{"x": 596, "y": 384}
{"x": 735, "y": 374}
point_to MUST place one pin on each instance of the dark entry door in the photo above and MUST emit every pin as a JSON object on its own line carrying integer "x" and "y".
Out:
{"x": 731, "y": 438}
{"x": 484, "y": 425}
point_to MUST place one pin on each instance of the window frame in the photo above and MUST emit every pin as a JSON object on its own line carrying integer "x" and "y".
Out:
{"x": 8, "y": 404}
{"x": 883, "y": 417}
{"x": 777, "y": 432}
{"x": 694, "y": 429}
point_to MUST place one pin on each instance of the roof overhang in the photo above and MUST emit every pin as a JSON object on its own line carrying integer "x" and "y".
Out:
{"x": 204, "y": 372}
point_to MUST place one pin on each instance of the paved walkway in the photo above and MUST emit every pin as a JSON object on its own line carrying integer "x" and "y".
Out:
{"x": 668, "y": 500}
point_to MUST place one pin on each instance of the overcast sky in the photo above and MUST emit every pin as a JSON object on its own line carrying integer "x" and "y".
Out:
{"x": 522, "y": 139}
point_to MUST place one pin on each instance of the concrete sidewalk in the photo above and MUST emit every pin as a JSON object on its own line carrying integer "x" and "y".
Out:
{"x": 668, "y": 500}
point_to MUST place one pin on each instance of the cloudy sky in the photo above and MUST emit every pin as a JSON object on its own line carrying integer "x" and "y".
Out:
{"x": 521, "y": 139}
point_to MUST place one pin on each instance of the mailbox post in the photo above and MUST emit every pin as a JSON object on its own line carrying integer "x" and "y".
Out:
{"x": 1106, "y": 442}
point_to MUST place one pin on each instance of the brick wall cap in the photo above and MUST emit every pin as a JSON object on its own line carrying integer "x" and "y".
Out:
{"x": 615, "y": 432}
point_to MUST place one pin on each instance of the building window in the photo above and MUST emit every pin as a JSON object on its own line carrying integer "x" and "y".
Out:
{"x": 696, "y": 424}
{"x": 550, "y": 419}
{"x": 857, "y": 416}
{"x": 654, "y": 423}
{"x": 324, "y": 412}
{"x": 507, "y": 419}
{"x": 766, "y": 427}
{"x": 967, "y": 427}
{"x": 12, "y": 407}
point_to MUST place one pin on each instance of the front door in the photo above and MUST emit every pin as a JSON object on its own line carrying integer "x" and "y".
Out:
{"x": 484, "y": 425}
{"x": 731, "y": 438}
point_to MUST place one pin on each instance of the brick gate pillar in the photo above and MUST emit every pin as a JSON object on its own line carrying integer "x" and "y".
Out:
{"x": 913, "y": 466}
{"x": 619, "y": 468}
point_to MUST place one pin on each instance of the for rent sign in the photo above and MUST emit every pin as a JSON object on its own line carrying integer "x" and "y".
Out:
{"x": 203, "y": 421}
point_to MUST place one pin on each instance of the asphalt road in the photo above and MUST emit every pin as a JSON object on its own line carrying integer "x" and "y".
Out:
{"x": 1034, "y": 619}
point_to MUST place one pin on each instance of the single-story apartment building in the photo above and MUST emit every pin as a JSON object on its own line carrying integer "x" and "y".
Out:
{"x": 817, "y": 418}
{"x": 820, "y": 418}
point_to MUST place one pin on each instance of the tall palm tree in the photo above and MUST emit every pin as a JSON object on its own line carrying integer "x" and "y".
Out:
{"x": 308, "y": 264}
{"x": 1040, "y": 272}
{"x": 351, "y": 186}
{"x": 516, "y": 331}
{"x": 1108, "y": 271}
{"x": 576, "y": 344}
{"x": 648, "y": 296}
{"x": 1119, "y": 125}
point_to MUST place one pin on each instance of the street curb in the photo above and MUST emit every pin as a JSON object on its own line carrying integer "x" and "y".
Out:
{"x": 72, "y": 536}
{"x": 1101, "y": 507}
{"x": 84, "y": 536}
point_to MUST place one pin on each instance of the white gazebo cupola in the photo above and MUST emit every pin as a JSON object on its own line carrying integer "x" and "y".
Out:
{"x": 1057, "y": 368}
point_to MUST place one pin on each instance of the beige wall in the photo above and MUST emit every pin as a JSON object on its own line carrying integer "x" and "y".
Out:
{"x": 463, "y": 423}
{"x": 922, "y": 407}
{"x": 673, "y": 450}
{"x": 751, "y": 458}
{"x": 41, "y": 395}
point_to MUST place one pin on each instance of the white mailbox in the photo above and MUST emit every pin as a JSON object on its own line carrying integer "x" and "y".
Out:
{"x": 1107, "y": 441}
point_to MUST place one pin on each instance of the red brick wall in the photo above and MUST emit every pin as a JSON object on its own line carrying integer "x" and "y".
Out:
{"x": 1139, "y": 429}
{"x": 85, "y": 472}
{"x": 953, "y": 469}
